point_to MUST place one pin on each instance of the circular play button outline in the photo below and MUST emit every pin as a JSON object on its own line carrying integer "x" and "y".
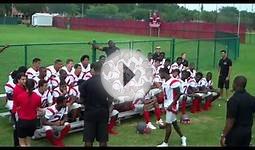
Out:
{"x": 127, "y": 75}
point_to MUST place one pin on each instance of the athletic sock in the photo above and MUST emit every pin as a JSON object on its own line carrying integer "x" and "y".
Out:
{"x": 183, "y": 106}
{"x": 64, "y": 132}
{"x": 146, "y": 116}
{"x": 157, "y": 113}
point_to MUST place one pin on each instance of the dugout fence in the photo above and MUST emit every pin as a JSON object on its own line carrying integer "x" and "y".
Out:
{"x": 204, "y": 53}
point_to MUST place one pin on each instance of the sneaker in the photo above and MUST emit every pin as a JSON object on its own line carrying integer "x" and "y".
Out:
{"x": 183, "y": 138}
{"x": 151, "y": 126}
{"x": 160, "y": 122}
{"x": 163, "y": 144}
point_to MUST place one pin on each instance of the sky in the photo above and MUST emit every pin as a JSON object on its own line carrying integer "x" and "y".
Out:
{"x": 210, "y": 7}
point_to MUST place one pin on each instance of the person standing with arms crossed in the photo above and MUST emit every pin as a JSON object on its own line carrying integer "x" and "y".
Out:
{"x": 224, "y": 70}
{"x": 239, "y": 119}
{"x": 96, "y": 114}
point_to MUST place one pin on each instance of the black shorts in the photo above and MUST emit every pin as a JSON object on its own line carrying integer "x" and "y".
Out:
{"x": 26, "y": 128}
{"x": 239, "y": 137}
{"x": 95, "y": 130}
{"x": 222, "y": 82}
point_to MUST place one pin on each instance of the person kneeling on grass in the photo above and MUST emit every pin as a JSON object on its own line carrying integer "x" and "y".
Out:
{"x": 55, "y": 122}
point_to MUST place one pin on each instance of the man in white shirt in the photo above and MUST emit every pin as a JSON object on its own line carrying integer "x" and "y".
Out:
{"x": 84, "y": 62}
{"x": 34, "y": 70}
{"x": 69, "y": 66}
{"x": 53, "y": 70}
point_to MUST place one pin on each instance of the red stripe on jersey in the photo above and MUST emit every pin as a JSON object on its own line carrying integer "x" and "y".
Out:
{"x": 49, "y": 70}
{"x": 10, "y": 86}
{"x": 51, "y": 110}
{"x": 55, "y": 80}
{"x": 174, "y": 81}
{"x": 71, "y": 88}
{"x": 29, "y": 73}
{"x": 83, "y": 75}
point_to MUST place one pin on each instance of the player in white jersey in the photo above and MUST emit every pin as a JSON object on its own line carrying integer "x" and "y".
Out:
{"x": 157, "y": 66}
{"x": 84, "y": 62}
{"x": 177, "y": 65}
{"x": 73, "y": 106}
{"x": 77, "y": 75}
{"x": 9, "y": 87}
{"x": 44, "y": 93}
{"x": 53, "y": 70}
{"x": 42, "y": 76}
{"x": 184, "y": 98}
{"x": 192, "y": 70}
{"x": 214, "y": 93}
{"x": 172, "y": 94}
{"x": 201, "y": 92}
{"x": 34, "y": 70}
{"x": 69, "y": 66}
{"x": 61, "y": 90}
{"x": 149, "y": 102}
{"x": 55, "y": 81}
{"x": 55, "y": 122}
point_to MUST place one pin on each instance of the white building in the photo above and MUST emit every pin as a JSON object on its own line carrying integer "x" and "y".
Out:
{"x": 42, "y": 19}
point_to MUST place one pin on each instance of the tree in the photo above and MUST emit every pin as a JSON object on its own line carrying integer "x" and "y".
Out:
{"x": 5, "y": 9}
{"x": 30, "y": 9}
{"x": 102, "y": 11}
{"x": 70, "y": 9}
{"x": 140, "y": 13}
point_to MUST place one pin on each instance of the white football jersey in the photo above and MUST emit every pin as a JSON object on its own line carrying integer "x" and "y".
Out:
{"x": 68, "y": 72}
{"x": 184, "y": 86}
{"x": 85, "y": 70}
{"x": 202, "y": 82}
{"x": 56, "y": 93}
{"x": 74, "y": 91}
{"x": 176, "y": 66}
{"x": 168, "y": 87}
{"x": 209, "y": 83}
{"x": 53, "y": 115}
{"x": 46, "y": 98}
{"x": 73, "y": 78}
{"x": 51, "y": 73}
{"x": 9, "y": 87}
{"x": 192, "y": 73}
{"x": 31, "y": 73}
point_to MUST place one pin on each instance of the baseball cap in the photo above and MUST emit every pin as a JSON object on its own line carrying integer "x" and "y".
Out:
{"x": 158, "y": 47}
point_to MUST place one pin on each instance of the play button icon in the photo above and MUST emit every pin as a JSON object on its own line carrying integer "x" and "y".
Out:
{"x": 127, "y": 75}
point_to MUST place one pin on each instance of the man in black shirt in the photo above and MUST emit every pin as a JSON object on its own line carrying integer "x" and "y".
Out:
{"x": 96, "y": 114}
{"x": 239, "y": 119}
{"x": 156, "y": 55}
{"x": 108, "y": 50}
{"x": 185, "y": 62}
{"x": 224, "y": 70}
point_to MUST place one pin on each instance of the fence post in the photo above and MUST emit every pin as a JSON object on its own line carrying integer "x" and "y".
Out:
{"x": 238, "y": 47}
{"x": 94, "y": 52}
{"x": 25, "y": 48}
{"x": 152, "y": 46}
{"x": 198, "y": 46}
{"x": 130, "y": 45}
{"x": 214, "y": 53}
{"x": 173, "y": 49}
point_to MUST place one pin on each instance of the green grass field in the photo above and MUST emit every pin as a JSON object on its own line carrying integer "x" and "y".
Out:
{"x": 206, "y": 126}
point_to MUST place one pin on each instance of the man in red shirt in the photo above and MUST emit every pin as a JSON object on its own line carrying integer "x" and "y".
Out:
{"x": 27, "y": 104}
{"x": 19, "y": 88}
